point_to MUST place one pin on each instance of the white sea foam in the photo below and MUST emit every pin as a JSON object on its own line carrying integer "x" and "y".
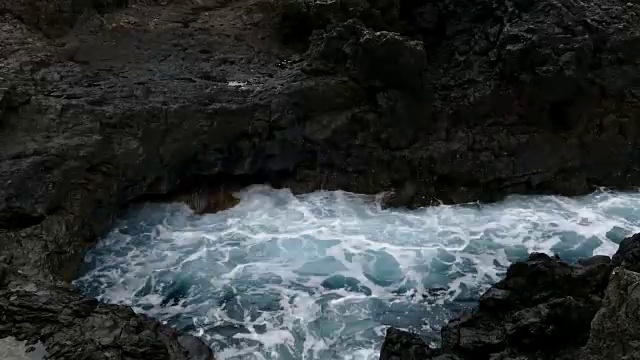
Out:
{"x": 320, "y": 276}
{"x": 236, "y": 83}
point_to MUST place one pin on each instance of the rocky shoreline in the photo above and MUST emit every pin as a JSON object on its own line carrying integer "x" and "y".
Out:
{"x": 68, "y": 326}
{"x": 107, "y": 102}
{"x": 544, "y": 309}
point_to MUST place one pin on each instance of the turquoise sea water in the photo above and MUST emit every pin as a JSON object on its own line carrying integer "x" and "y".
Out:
{"x": 321, "y": 276}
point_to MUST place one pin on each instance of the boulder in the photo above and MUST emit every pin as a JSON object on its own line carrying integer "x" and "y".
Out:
{"x": 615, "y": 330}
{"x": 195, "y": 348}
{"x": 382, "y": 60}
{"x": 628, "y": 254}
{"x": 402, "y": 345}
{"x": 542, "y": 309}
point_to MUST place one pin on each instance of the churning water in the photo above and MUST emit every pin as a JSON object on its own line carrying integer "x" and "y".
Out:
{"x": 321, "y": 276}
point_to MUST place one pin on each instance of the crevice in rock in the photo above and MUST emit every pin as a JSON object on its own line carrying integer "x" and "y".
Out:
{"x": 211, "y": 193}
{"x": 19, "y": 220}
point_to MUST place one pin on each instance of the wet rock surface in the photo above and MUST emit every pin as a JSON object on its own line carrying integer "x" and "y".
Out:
{"x": 402, "y": 345}
{"x": 107, "y": 102}
{"x": 13, "y": 349}
{"x": 55, "y": 317}
{"x": 543, "y": 309}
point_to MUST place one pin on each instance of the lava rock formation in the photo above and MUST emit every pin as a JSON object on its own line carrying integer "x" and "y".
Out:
{"x": 105, "y": 102}
{"x": 543, "y": 309}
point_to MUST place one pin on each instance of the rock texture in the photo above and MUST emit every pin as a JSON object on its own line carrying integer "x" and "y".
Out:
{"x": 543, "y": 309}
{"x": 104, "y": 102}
{"x": 628, "y": 254}
{"x": 615, "y": 331}
{"x": 71, "y": 327}
{"x": 402, "y": 345}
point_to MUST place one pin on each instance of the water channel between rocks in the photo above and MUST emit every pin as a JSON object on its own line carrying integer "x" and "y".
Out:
{"x": 321, "y": 275}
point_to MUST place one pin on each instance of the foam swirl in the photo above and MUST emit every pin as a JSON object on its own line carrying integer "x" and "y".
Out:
{"x": 320, "y": 276}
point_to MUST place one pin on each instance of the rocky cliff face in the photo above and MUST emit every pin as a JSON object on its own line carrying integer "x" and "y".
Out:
{"x": 614, "y": 330}
{"x": 543, "y": 309}
{"x": 104, "y": 102}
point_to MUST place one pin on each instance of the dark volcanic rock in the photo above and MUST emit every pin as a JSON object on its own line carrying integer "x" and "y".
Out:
{"x": 195, "y": 348}
{"x": 615, "y": 330}
{"x": 399, "y": 344}
{"x": 628, "y": 254}
{"x": 543, "y": 309}
{"x": 105, "y": 102}
{"x": 141, "y": 99}
{"x": 298, "y": 18}
{"x": 71, "y": 327}
{"x": 381, "y": 60}
{"x": 55, "y": 17}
